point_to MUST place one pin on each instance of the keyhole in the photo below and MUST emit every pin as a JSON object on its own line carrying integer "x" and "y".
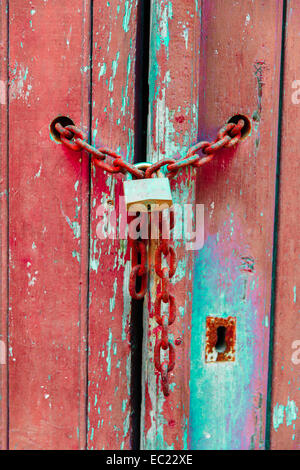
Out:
{"x": 221, "y": 342}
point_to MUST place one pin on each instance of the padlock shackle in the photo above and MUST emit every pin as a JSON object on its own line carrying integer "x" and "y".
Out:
{"x": 142, "y": 165}
{"x": 155, "y": 168}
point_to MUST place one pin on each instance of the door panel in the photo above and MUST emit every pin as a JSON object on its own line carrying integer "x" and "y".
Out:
{"x": 48, "y": 226}
{"x": 113, "y": 127}
{"x": 3, "y": 226}
{"x": 172, "y": 129}
{"x": 284, "y": 420}
{"x": 240, "y": 71}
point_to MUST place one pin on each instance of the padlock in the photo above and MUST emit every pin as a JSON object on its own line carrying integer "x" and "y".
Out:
{"x": 146, "y": 195}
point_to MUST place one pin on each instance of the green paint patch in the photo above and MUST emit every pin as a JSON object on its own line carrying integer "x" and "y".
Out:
{"x": 108, "y": 359}
{"x": 102, "y": 71}
{"x": 112, "y": 301}
{"x": 76, "y": 255}
{"x": 94, "y": 263}
{"x": 127, "y": 14}
{"x": 290, "y": 412}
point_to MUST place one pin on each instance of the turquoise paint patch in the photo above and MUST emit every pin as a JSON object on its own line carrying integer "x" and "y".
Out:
{"x": 278, "y": 416}
{"x": 160, "y": 37}
{"x": 102, "y": 71}
{"x": 94, "y": 263}
{"x": 108, "y": 358}
{"x": 290, "y": 412}
{"x": 124, "y": 404}
{"x": 114, "y": 71}
{"x": 76, "y": 255}
{"x": 126, "y": 17}
{"x": 221, "y": 393}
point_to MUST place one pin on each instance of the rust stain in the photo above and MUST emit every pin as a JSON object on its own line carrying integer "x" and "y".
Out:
{"x": 220, "y": 339}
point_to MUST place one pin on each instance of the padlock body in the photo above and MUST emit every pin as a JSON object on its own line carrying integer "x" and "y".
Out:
{"x": 148, "y": 193}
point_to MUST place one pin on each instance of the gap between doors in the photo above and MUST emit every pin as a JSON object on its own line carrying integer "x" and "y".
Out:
{"x": 140, "y": 153}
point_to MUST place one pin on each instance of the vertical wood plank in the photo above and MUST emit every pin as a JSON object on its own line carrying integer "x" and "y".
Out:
{"x": 48, "y": 228}
{"x": 285, "y": 417}
{"x": 173, "y": 127}
{"x": 240, "y": 69}
{"x": 113, "y": 124}
{"x": 3, "y": 224}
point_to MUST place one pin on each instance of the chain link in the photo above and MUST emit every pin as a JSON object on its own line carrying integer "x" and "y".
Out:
{"x": 167, "y": 249}
{"x": 138, "y": 269}
{"x": 75, "y": 139}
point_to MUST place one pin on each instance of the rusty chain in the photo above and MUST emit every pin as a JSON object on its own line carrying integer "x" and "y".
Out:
{"x": 75, "y": 139}
{"x": 138, "y": 269}
{"x": 228, "y": 136}
{"x": 137, "y": 288}
{"x": 165, "y": 248}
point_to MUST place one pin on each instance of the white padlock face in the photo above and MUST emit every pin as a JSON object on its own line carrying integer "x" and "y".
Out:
{"x": 148, "y": 193}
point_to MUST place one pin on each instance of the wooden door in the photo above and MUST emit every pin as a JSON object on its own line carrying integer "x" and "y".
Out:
{"x": 76, "y": 353}
{"x": 66, "y": 381}
{"x": 233, "y": 272}
{"x": 284, "y": 387}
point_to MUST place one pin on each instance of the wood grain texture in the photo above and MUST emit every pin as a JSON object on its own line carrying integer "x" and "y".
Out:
{"x": 3, "y": 224}
{"x": 113, "y": 124}
{"x": 69, "y": 381}
{"x": 48, "y": 228}
{"x": 240, "y": 69}
{"x": 173, "y": 127}
{"x": 285, "y": 417}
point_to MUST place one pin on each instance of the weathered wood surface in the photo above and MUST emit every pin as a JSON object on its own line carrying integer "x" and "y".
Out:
{"x": 240, "y": 69}
{"x": 113, "y": 125}
{"x": 48, "y": 226}
{"x": 3, "y": 225}
{"x": 69, "y": 384}
{"x": 285, "y": 418}
{"x": 172, "y": 129}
